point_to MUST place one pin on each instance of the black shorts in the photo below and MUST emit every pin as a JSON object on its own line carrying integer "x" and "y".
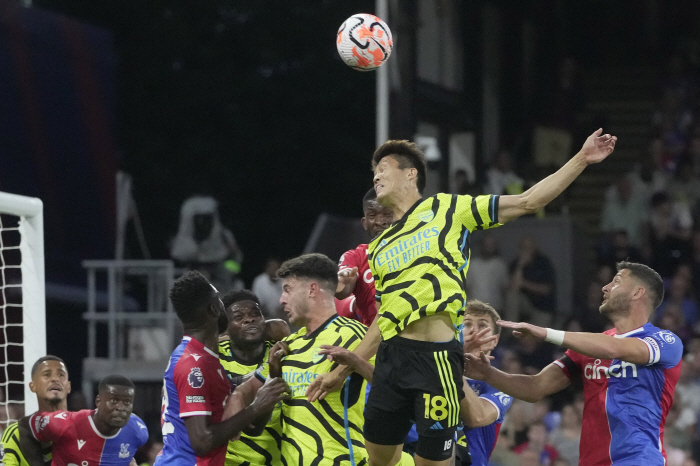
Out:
{"x": 416, "y": 382}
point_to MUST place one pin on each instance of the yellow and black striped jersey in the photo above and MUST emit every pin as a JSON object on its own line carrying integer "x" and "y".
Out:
{"x": 329, "y": 431}
{"x": 10, "y": 453}
{"x": 249, "y": 450}
{"x": 420, "y": 262}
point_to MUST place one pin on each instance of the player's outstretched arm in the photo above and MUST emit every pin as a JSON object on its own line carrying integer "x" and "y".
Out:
{"x": 529, "y": 388}
{"x": 30, "y": 446}
{"x": 596, "y": 148}
{"x": 349, "y": 358}
{"x": 594, "y": 345}
{"x": 474, "y": 411}
{"x": 332, "y": 381}
{"x": 205, "y": 436}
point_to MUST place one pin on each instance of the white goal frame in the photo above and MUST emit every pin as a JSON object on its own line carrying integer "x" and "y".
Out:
{"x": 31, "y": 226}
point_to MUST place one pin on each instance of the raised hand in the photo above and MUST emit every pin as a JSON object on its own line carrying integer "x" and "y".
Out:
{"x": 523, "y": 329}
{"x": 277, "y": 352}
{"x": 339, "y": 354}
{"x": 474, "y": 342}
{"x": 325, "y": 384}
{"x": 477, "y": 367}
{"x": 598, "y": 146}
{"x": 347, "y": 276}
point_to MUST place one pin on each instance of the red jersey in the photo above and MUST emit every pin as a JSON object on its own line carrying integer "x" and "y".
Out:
{"x": 362, "y": 305}
{"x": 76, "y": 440}
{"x": 195, "y": 385}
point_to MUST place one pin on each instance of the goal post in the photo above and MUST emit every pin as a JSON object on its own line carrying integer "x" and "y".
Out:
{"x": 30, "y": 228}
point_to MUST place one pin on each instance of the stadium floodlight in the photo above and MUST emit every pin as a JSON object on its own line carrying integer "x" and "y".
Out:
{"x": 22, "y": 298}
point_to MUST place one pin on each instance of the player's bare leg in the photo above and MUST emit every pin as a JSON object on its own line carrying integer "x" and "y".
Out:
{"x": 383, "y": 455}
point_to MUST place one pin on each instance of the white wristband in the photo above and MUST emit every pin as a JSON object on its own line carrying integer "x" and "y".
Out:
{"x": 555, "y": 336}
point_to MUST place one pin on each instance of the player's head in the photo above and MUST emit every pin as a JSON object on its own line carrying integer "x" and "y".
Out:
{"x": 634, "y": 284}
{"x": 115, "y": 400}
{"x": 307, "y": 280}
{"x": 478, "y": 316}
{"x": 196, "y": 301}
{"x": 399, "y": 169}
{"x": 246, "y": 323}
{"x": 377, "y": 218}
{"x": 50, "y": 379}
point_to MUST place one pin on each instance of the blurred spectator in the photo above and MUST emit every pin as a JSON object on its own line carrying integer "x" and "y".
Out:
{"x": 685, "y": 186}
{"x": 659, "y": 176}
{"x": 204, "y": 244}
{"x": 677, "y": 440}
{"x": 688, "y": 394}
{"x": 678, "y": 294}
{"x": 530, "y": 296}
{"x": 604, "y": 275}
{"x": 694, "y": 153}
{"x": 535, "y": 355}
{"x": 567, "y": 436}
{"x": 673, "y": 320}
{"x": 503, "y": 454}
{"x": 501, "y": 177}
{"x": 515, "y": 424}
{"x": 510, "y": 362}
{"x": 625, "y": 211}
{"x": 268, "y": 287}
{"x": 588, "y": 311}
{"x": 487, "y": 279}
{"x": 618, "y": 249}
{"x": 538, "y": 442}
{"x": 529, "y": 458}
{"x": 670, "y": 228}
{"x": 695, "y": 263}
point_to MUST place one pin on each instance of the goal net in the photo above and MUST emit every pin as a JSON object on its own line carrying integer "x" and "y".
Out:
{"x": 22, "y": 302}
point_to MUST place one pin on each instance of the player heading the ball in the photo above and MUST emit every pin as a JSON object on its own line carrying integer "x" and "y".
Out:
{"x": 419, "y": 266}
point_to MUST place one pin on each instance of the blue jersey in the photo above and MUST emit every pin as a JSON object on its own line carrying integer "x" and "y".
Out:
{"x": 626, "y": 404}
{"x": 481, "y": 440}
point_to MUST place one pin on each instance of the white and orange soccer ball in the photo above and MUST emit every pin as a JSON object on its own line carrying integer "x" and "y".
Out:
{"x": 364, "y": 42}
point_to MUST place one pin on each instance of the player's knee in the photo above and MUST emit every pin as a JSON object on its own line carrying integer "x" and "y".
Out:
{"x": 384, "y": 455}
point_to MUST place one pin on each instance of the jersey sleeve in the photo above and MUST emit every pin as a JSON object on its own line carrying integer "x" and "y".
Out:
{"x": 570, "y": 364}
{"x": 263, "y": 372}
{"x": 665, "y": 348}
{"x": 141, "y": 431}
{"x": 48, "y": 427}
{"x": 477, "y": 213}
{"x": 192, "y": 390}
{"x": 499, "y": 400}
{"x": 10, "y": 454}
{"x": 349, "y": 260}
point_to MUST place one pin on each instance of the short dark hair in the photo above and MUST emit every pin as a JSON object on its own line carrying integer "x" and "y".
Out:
{"x": 241, "y": 295}
{"x": 114, "y": 380}
{"x": 369, "y": 196}
{"x": 653, "y": 283}
{"x": 48, "y": 357}
{"x": 312, "y": 266}
{"x": 408, "y": 155}
{"x": 190, "y": 294}
{"x": 480, "y": 308}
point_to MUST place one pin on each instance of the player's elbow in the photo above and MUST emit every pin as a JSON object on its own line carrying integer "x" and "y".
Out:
{"x": 201, "y": 447}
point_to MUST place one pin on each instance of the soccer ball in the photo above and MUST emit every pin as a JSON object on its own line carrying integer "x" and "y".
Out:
{"x": 364, "y": 42}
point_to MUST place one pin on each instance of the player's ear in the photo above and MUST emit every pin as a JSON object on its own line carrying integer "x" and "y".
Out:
{"x": 639, "y": 293}
{"x": 68, "y": 387}
{"x": 97, "y": 400}
{"x": 32, "y": 387}
{"x": 313, "y": 289}
{"x": 364, "y": 223}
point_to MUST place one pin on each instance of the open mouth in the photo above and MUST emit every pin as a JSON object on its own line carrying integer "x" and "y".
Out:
{"x": 56, "y": 389}
{"x": 252, "y": 330}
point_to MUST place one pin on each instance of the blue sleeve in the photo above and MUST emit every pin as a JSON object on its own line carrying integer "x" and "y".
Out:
{"x": 665, "y": 348}
{"x": 499, "y": 399}
{"x": 141, "y": 430}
